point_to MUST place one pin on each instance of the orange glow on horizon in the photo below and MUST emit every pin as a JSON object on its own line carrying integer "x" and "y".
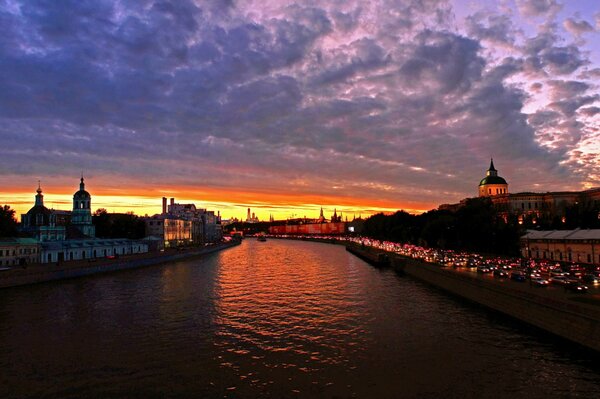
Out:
{"x": 230, "y": 202}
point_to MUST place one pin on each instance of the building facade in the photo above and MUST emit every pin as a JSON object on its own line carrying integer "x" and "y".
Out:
{"x": 184, "y": 224}
{"x": 530, "y": 205}
{"x": 581, "y": 246}
{"x": 19, "y": 251}
{"x": 70, "y": 250}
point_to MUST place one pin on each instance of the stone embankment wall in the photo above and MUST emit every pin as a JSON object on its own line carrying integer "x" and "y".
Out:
{"x": 49, "y": 272}
{"x": 557, "y": 314}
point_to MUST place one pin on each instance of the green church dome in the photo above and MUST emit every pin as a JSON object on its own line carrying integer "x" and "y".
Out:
{"x": 492, "y": 180}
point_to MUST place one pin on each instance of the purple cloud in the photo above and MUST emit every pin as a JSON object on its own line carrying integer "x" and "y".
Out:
{"x": 386, "y": 100}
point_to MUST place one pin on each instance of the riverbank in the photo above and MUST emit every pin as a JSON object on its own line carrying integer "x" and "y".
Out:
{"x": 40, "y": 273}
{"x": 572, "y": 316}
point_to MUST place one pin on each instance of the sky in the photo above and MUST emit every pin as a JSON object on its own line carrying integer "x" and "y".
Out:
{"x": 286, "y": 107}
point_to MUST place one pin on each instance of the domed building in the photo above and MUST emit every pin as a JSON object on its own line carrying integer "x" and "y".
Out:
{"x": 81, "y": 217}
{"x": 40, "y": 222}
{"x": 492, "y": 184}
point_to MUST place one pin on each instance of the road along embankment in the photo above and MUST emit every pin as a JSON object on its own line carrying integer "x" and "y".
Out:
{"x": 557, "y": 312}
{"x": 40, "y": 273}
{"x": 553, "y": 310}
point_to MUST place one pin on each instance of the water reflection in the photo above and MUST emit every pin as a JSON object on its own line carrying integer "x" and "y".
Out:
{"x": 274, "y": 319}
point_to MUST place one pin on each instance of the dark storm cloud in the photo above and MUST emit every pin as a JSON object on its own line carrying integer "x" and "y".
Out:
{"x": 376, "y": 98}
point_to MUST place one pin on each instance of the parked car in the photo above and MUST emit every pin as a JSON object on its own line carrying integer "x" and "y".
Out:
{"x": 517, "y": 276}
{"x": 575, "y": 286}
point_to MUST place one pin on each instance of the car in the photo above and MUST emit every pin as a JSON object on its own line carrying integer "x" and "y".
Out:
{"x": 483, "y": 269}
{"x": 517, "y": 276}
{"x": 500, "y": 273}
{"x": 575, "y": 286}
{"x": 539, "y": 282}
{"x": 590, "y": 279}
{"x": 560, "y": 280}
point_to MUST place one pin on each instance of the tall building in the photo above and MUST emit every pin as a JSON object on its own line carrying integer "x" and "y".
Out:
{"x": 81, "y": 217}
{"x": 251, "y": 217}
{"x": 492, "y": 184}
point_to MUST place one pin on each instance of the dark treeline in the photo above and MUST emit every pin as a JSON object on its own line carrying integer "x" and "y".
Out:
{"x": 8, "y": 223}
{"x": 473, "y": 227}
{"x": 118, "y": 225}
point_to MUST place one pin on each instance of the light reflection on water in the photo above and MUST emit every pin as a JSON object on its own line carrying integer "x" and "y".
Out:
{"x": 272, "y": 319}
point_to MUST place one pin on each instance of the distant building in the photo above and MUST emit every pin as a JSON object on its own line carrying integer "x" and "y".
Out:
{"x": 522, "y": 205}
{"x": 184, "y": 224}
{"x": 19, "y": 251}
{"x": 40, "y": 222}
{"x": 582, "y": 246}
{"x": 251, "y": 217}
{"x": 50, "y": 243}
{"x": 492, "y": 184}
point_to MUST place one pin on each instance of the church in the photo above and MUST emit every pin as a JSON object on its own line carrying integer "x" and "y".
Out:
{"x": 65, "y": 236}
{"x": 529, "y": 205}
{"x": 549, "y": 205}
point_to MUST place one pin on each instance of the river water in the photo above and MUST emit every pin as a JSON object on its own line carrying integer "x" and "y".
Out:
{"x": 272, "y": 319}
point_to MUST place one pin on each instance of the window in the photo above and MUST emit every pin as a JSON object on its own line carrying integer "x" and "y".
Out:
{"x": 490, "y": 191}
{"x": 589, "y": 258}
{"x": 523, "y": 205}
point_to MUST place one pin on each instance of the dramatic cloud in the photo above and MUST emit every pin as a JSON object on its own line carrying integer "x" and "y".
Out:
{"x": 395, "y": 102}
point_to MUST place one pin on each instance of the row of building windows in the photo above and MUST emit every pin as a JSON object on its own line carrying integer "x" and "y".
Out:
{"x": 498, "y": 191}
{"x": 22, "y": 251}
{"x": 94, "y": 254}
{"x": 559, "y": 256}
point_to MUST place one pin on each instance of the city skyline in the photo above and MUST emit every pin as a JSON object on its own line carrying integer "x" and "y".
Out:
{"x": 286, "y": 108}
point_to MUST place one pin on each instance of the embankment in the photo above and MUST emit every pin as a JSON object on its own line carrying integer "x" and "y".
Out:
{"x": 572, "y": 316}
{"x": 556, "y": 312}
{"x": 48, "y": 272}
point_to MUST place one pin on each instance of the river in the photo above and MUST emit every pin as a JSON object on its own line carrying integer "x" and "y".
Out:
{"x": 272, "y": 319}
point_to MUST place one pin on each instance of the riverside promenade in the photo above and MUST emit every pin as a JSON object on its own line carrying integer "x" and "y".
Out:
{"x": 39, "y": 273}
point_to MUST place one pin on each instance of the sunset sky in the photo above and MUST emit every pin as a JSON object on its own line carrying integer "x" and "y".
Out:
{"x": 285, "y": 107}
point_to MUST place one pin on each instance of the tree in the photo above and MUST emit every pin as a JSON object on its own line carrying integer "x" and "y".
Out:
{"x": 8, "y": 223}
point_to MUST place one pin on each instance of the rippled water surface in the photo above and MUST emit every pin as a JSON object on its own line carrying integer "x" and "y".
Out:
{"x": 272, "y": 319}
